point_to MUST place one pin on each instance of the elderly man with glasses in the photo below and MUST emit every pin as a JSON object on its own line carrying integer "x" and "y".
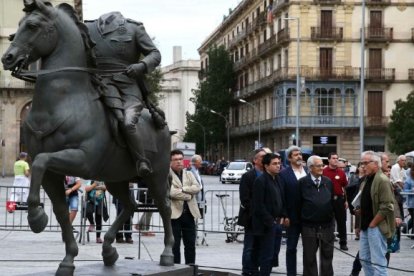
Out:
{"x": 377, "y": 215}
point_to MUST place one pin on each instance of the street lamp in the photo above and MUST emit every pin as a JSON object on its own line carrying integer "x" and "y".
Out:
{"x": 361, "y": 92}
{"x": 204, "y": 137}
{"x": 258, "y": 116}
{"x": 297, "y": 76}
{"x": 228, "y": 131}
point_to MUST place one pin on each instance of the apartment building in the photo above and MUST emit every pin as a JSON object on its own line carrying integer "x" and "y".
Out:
{"x": 15, "y": 95}
{"x": 262, "y": 38}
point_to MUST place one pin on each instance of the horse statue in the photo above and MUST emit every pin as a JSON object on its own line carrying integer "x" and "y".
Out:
{"x": 68, "y": 131}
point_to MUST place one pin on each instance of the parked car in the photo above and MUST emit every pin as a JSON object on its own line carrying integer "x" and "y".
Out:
{"x": 234, "y": 171}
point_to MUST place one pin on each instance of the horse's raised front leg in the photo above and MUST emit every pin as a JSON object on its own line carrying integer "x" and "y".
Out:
{"x": 67, "y": 162}
{"x": 159, "y": 189}
{"x": 52, "y": 183}
{"x": 120, "y": 191}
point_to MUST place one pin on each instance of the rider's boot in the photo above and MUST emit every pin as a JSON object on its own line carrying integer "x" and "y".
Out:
{"x": 143, "y": 165}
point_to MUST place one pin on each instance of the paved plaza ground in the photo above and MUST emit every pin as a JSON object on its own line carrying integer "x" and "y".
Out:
{"x": 23, "y": 252}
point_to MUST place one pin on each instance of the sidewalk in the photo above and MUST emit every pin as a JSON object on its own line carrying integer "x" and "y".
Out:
{"x": 28, "y": 253}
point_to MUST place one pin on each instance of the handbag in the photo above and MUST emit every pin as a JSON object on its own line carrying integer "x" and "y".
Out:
{"x": 393, "y": 243}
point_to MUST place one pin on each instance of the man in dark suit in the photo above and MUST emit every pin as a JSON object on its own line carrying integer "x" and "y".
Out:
{"x": 268, "y": 211}
{"x": 317, "y": 219}
{"x": 245, "y": 215}
{"x": 289, "y": 177}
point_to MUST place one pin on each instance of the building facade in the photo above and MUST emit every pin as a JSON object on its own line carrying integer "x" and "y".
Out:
{"x": 15, "y": 95}
{"x": 263, "y": 39}
{"x": 179, "y": 81}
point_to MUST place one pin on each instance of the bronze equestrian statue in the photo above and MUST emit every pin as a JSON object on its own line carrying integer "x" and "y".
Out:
{"x": 78, "y": 123}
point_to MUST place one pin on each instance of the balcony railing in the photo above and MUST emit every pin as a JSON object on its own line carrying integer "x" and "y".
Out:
{"x": 268, "y": 45}
{"x": 379, "y": 34}
{"x": 375, "y": 121}
{"x": 378, "y": 2}
{"x": 265, "y": 125}
{"x": 411, "y": 74}
{"x": 317, "y": 73}
{"x": 324, "y": 33}
{"x": 322, "y": 121}
{"x": 380, "y": 74}
{"x": 278, "y": 4}
{"x": 327, "y": 2}
{"x": 240, "y": 36}
{"x": 283, "y": 35}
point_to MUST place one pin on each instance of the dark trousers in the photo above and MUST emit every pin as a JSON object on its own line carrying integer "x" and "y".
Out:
{"x": 247, "y": 262}
{"x": 97, "y": 221}
{"x": 263, "y": 251}
{"x": 312, "y": 239}
{"x": 278, "y": 241}
{"x": 184, "y": 227}
{"x": 293, "y": 233}
{"x": 340, "y": 217}
{"x": 356, "y": 266}
{"x": 127, "y": 224}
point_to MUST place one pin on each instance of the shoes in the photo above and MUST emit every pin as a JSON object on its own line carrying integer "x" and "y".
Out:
{"x": 344, "y": 247}
{"x": 91, "y": 228}
{"x": 357, "y": 238}
{"x": 129, "y": 240}
{"x": 98, "y": 240}
{"x": 121, "y": 240}
{"x": 148, "y": 234}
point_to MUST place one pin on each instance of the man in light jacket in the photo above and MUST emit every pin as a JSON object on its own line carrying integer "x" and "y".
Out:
{"x": 184, "y": 188}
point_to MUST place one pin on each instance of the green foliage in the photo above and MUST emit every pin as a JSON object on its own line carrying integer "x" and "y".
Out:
{"x": 401, "y": 127}
{"x": 214, "y": 92}
{"x": 154, "y": 85}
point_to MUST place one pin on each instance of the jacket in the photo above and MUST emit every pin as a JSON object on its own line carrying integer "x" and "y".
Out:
{"x": 245, "y": 194}
{"x": 316, "y": 204}
{"x": 382, "y": 202}
{"x": 184, "y": 191}
{"x": 267, "y": 203}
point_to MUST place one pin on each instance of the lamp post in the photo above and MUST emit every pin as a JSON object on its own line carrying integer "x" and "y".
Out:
{"x": 297, "y": 76}
{"x": 361, "y": 92}
{"x": 228, "y": 131}
{"x": 204, "y": 137}
{"x": 258, "y": 116}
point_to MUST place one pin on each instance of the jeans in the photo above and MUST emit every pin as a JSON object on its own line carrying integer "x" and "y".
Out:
{"x": 184, "y": 227}
{"x": 248, "y": 267}
{"x": 373, "y": 246}
{"x": 293, "y": 233}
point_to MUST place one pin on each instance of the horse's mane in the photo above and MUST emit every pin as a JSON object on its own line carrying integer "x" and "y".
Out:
{"x": 87, "y": 41}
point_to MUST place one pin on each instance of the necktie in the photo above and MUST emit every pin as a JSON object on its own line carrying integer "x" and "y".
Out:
{"x": 317, "y": 182}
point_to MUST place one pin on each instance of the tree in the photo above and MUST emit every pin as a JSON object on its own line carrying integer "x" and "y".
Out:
{"x": 401, "y": 127}
{"x": 154, "y": 85}
{"x": 213, "y": 93}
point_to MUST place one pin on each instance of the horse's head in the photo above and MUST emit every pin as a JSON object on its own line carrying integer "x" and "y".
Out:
{"x": 36, "y": 36}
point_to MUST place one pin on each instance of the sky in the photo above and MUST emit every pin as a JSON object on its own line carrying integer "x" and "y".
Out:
{"x": 185, "y": 23}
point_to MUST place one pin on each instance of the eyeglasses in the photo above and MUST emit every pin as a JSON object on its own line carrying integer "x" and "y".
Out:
{"x": 318, "y": 166}
{"x": 364, "y": 163}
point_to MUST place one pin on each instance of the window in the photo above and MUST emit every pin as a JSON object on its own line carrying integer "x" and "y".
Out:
{"x": 325, "y": 101}
{"x": 326, "y": 24}
{"x": 375, "y": 104}
{"x": 325, "y": 62}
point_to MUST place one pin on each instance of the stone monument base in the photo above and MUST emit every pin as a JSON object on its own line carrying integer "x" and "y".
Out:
{"x": 127, "y": 268}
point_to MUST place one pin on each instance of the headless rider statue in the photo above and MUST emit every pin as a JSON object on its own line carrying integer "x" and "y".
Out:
{"x": 123, "y": 43}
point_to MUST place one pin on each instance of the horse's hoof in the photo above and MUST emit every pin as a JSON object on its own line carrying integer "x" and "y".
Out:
{"x": 37, "y": 220}
{"x": 109, "y": 258}
{"x": 167, "y": 260}
{"x": 65, "y": 269}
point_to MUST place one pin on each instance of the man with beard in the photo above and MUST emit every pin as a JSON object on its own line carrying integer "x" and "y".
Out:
{"x": 289, "y": 177}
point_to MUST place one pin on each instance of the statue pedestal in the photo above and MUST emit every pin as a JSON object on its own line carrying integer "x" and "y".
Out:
{"x": 128, "y": 268}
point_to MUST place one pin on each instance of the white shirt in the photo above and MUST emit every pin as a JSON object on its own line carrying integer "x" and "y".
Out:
{"x": 299, "y": 174}
{"x": 397, "y": 174}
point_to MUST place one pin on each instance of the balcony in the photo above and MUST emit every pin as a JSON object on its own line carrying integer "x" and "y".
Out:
{"x": 278, "y": 4}
{"x": 378, "y": 2}
{"x": 375, "y": 121}
{"x": 327, "y": 2}
{"x": 317, "y": 73}
{"x": 252, "y": 128}
{"x": 379, "y": 34}
{"x": 380, "y": 74}
{"x": 283, "y": 35}
{"x": 411, "y": 74}
{"x": 327, "y": 34}
{"x": 268, "y": 45}
{"x": 239, "y": 37}
{"x": 322, "y": 121}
